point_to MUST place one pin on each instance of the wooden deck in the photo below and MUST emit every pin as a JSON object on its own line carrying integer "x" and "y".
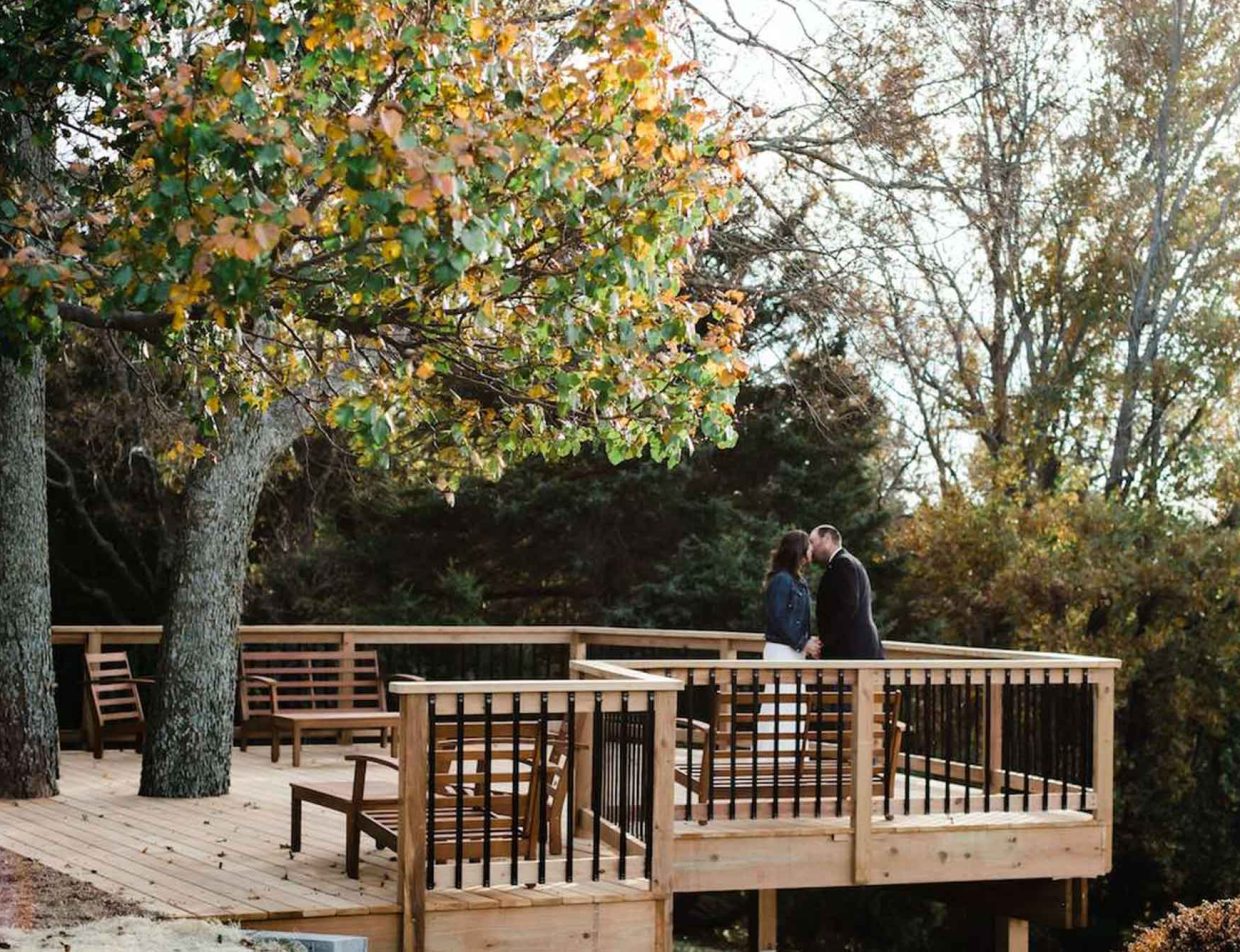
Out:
{"x": 223, "y": 857}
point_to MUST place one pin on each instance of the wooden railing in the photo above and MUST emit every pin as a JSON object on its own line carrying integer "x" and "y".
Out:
{"x": 536, "y": 783}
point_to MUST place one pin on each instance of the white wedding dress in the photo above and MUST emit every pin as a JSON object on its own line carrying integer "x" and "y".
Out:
{"x": 787, "y": 709}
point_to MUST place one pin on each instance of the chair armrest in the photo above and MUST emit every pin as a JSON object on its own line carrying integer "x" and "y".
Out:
{"x": 373, "y": 759}
{"x": 700, "y": 730}
{"x": 405, "y": 677}
{"x": 260, "y": 679}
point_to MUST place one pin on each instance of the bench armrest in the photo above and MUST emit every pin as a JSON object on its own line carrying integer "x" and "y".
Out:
{"x": 405, "y": 677}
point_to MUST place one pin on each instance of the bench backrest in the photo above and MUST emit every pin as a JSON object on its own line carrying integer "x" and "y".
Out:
{"x": 113, "y": 694}
{"x": 310, "y": 681}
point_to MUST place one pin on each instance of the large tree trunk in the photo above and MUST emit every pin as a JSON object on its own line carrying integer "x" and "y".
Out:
{"x": 28, "y": 728}
{"x": 190, "y": 733}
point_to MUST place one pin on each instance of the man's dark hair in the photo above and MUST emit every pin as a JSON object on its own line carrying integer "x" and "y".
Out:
{"x": 831, "y": 531}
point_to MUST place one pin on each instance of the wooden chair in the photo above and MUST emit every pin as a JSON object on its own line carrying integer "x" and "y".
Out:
{"x": 297, "y": 692}
{"x": 115, "y": 704}
{"x": 758, "y": 742}
{"x": 514, "y": 816}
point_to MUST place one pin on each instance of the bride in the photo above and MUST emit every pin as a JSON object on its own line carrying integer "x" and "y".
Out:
{"x": 788, "y": 636}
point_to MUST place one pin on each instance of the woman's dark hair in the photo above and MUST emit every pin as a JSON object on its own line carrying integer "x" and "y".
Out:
{"x": 788, "y": 555}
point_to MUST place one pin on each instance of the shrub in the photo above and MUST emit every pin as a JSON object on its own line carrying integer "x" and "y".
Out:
{"x": 1210, "y": 927}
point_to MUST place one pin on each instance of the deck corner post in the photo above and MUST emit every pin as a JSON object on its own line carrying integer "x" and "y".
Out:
{"x": 664, "y": 787}
{"x": 411, "y": 871}
{"x": 94, "y": 645}
{"x": 1011, "y": 935}
{"x": 866, "y": 683}
{"x": 1104, "y": 754}
{"x": 764, "y": 920}
{"x": 577, "y": 648}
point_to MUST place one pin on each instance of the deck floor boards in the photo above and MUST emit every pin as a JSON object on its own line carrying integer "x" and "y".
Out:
{"x": 224, "y": 857}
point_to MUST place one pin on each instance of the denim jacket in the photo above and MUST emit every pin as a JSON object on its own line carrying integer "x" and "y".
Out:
{"x": 787, "y": 611}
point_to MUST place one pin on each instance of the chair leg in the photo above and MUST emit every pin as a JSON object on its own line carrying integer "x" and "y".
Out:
{"x": 296, "y": 747}
{"x": 245, "y": 738}
{"x": 294, "y": 839}
{"x": 139, "y": 739}
{"x": 98, "y": 743}
{"x": 352, "y": 845}
{"x": 275, "y": 745}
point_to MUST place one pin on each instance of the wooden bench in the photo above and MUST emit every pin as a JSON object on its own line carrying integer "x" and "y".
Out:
{"x": 765, "y": 745}
{"x": 296, "y": 692}
{"x": 507, "y": 813}
{"x": 115, "y": 704}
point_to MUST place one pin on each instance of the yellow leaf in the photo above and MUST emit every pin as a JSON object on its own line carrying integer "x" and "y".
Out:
{"x": 392, "y": 249}
{"x": 213, "y": 404}
{"x": 478, "y": 29}
{"x": 425, "y": 370}
{"x": 230, "y": 81}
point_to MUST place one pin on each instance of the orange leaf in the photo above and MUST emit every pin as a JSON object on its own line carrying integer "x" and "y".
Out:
{"x": 267, "y": 234}
{"x": 246, "y": 249}
{"x": 418, "y": 197}
{"x": 230, "y": 81}
{"x": 391, "y": 120}
{"x": 298, "y": 217}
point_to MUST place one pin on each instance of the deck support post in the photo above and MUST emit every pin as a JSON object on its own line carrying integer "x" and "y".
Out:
{"x": 347, "y": 643}
{"x": 864, "y": 686}
{"x": 1011, "y": 935}
{"x": 763, "y": 920}
{"x": 1104, "y": 753}
{"x": 411, "y": 871}
{"x": 664, "y": 814}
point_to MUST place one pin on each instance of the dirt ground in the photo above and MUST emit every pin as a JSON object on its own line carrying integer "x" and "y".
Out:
{"x": 34, "y": 896}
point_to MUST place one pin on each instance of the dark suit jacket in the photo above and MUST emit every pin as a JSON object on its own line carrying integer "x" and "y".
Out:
{"x": 845, "y": 623}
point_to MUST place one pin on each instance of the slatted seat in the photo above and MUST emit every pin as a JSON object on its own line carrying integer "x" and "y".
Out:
{"x": 297, "y": 692}
{"x": 477, "y": 823}
{"x": 765, "y": 744}
{"x": 115, "y": 703}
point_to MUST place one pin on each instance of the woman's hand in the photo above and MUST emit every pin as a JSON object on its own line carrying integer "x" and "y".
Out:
{"x": 813, "y": 648}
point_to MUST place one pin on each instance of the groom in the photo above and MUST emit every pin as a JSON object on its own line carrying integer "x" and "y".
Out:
{"x": 845, "y": 624}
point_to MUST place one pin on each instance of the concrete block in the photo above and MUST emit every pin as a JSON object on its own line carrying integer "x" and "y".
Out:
{"x": 313, "y": 941}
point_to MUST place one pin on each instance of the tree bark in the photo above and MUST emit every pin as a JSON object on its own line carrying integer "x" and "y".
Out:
{"x": 188, "y": 749}
{"x": 29, "y": 754}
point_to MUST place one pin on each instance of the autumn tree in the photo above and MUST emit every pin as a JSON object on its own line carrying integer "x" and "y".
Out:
{"x": 450, "y": 232}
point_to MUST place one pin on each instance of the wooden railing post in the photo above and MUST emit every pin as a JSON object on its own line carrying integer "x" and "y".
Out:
{"x": 664, "y": 814}
{"x": 1104, "y": 752}
{"x": 411, "y": 871}
{"x": 862, "y": 768}
{"x": 94, "y": 645}
{"x": 994, "y": 733}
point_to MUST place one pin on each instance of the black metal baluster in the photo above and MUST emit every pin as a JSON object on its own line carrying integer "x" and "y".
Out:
{"x": 1048, "y": 741}
{"x": 968, "y": 736}
{"x": 596, "y": 785}
{"x": 1027, "y": 731}
{"x": 798, "y": 734}
{"x": 947, "y": 741}
{"x": 928, "y": 742}
{"x": 753, "y": 746}
{"x": 732, "y": 750}
{"x": 710, "y": 743}
{"x": 1008, "y": 737}
{"x": 1065, "y": 768}
{"x": 543, "y": 817}
{"x": 624, "y": 786}
{"x": 487, "y": 731}
{"x": 989, "y": 733}
{"x": 459, "y": 861}
{"x": 887, "y": 729}
{"x": 570, "y": 770}
{"x": 818, "y": 742}
{"x": 839, "y": 739}
{"x": 689, "y": 753}
{"x": 430, "y": 794}
{"x": 777, "y": 752}
{"x": 1086, "y": 735}
{"x": 648, "y": 808}
{"x": 516, "y": 785}
{"x": 908, "y": 773}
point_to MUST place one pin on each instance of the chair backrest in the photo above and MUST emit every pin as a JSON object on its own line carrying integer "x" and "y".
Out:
{"x": 760, "y": 731}
{"x": 517, "y": 766}
{"x": 113, "y": 694}
{"x": 310, "y": 680}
